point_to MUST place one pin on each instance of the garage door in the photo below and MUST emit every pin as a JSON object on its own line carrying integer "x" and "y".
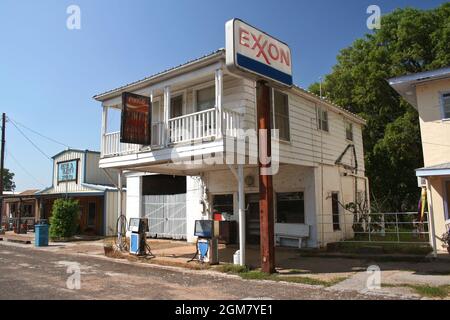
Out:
{"x": 166, "y": 215}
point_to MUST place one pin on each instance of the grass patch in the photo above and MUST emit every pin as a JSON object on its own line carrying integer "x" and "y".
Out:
{"x": 247, "y": 274}
{"x": 232, "y": 268}
{"x": 424, "y": 290}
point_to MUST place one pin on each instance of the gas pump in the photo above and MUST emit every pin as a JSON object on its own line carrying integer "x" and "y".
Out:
{"x": 207, "y": 243}
{"x": 138, "y": 237}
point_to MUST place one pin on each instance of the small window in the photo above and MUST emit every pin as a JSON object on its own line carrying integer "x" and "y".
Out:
{"x": 91, "y": 214}
{"x": 206, "y": 98}
{"x": 349, "y": 130}
{"x": 279, "y": 114}
{"x": 176, "y": 106}
{"x": 322, "y": 119}
{"x": 446, "y": 105}
{"x": 223, "y": 203}
{"x": 290, "y": 207}
{"x": 335, "y": 211}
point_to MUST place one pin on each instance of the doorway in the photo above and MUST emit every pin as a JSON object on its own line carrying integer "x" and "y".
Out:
{"x": 252, "y": 218}
{"x": 165, "y": 205}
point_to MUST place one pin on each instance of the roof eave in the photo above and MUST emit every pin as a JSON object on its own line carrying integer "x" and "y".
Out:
{"x": 172, "y": 72}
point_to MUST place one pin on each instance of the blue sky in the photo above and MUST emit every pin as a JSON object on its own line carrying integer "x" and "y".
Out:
{"x": 48, "y": 73}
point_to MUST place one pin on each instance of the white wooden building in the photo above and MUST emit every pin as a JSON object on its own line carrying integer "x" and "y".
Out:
{"x": 319, "y": 150}
{"x": 76, "y": 175}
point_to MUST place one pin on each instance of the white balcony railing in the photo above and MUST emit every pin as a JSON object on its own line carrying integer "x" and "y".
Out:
{"x": 198, "y": 125}
{"x": 112, "y": 145}
{"x": 201, "y": 125}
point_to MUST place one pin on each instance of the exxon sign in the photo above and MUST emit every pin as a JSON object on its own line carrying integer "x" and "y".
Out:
{"x": 251, "y": 50}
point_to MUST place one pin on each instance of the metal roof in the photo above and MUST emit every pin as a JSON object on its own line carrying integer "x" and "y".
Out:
{"x": 74, "y": 150}
{"x": 435, "y": 170}
{"x": 406, "y": 85}
{"x": 217, "y": 53}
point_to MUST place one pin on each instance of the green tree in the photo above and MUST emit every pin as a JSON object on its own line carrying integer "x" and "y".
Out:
{"x": 409, "y": 41}
{"x": 65, "y": 218}
{"x": 8, "y": 180}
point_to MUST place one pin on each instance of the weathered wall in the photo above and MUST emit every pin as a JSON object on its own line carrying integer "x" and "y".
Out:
{"x": 435, "y": 132}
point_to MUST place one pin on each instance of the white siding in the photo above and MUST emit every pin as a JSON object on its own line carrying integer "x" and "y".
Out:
{"x": 95, "y": 175}
{"x": 73, "y": 186}
{"x": 112, "y": 212}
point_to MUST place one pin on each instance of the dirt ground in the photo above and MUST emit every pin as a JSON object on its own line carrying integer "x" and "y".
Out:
{"x": 290, "y": 262}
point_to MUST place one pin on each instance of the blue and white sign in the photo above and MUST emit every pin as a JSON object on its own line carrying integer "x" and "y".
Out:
{"x": 254, "y": 51}
{"x": 67, "y": 171}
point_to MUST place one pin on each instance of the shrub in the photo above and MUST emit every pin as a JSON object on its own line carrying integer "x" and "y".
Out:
{"x": 65, "y": 218}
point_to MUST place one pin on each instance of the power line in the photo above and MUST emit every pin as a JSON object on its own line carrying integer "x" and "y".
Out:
{"x": 25, "y": 136}
{"x": 22, "y": 167}
{"x": 39, "y": 134}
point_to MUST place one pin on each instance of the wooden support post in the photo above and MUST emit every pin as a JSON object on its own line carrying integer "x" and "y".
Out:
{"x": 2, "y": 166}
{"x": 265, "y": 181}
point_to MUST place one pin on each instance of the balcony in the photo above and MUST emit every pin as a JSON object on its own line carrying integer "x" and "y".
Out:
{"x": 193, "y": 127}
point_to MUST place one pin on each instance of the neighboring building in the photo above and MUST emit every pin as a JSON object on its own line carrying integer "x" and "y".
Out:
{"x": 76, "y": 175}
{"x": 429, "y": 93}
{"x": 11, "y": 204}
{"x": 198, "y": 109}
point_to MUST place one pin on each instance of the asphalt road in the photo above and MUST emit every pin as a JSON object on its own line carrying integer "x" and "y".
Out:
{"x": 28, "y": 273}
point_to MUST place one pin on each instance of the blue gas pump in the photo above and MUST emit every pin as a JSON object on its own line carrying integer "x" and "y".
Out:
{"x": 207, "y": 244}
{"x": 138, "y": 237}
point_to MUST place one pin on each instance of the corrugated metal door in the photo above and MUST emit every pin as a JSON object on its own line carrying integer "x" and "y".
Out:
{"x": 166, "y": 215}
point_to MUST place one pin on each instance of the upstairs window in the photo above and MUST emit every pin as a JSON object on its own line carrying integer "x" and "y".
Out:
{"x": 349, "y": 130}
{"x": 322, "y": 119}
{"x": 445, "y": 101}
{"x": 205, "y": 98}
{"x": 279, "y": 114}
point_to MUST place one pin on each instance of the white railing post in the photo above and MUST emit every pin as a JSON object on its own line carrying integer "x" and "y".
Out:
{"x": 166, "y": 115}
{"x": 104, "y": 129}
{"x": 219, "y": 95}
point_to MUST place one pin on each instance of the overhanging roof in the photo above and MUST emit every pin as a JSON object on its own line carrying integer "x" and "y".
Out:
{"x": 195, "y": 63}
{"x": 406, "y": 85}
{"x": 442, "y": 169}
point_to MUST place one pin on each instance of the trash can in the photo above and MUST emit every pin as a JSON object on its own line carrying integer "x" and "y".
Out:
{"x": 41, "y": 235}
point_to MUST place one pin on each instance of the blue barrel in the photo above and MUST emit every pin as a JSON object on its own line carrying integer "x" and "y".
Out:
{"x": 41, "y": 235}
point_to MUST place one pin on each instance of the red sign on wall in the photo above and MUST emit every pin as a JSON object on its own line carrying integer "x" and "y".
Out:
{"x": 136, "y": 119}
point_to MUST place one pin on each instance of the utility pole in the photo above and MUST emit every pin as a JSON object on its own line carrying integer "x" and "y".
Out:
{"x": 2, "y": 167}
{"x": 265, "y": 181}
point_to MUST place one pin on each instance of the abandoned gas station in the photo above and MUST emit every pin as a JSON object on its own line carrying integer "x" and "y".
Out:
{"x": 280, "y": 187}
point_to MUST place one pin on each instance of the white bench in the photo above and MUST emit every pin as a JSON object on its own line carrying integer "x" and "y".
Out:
{"x": 291, "y": 231}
